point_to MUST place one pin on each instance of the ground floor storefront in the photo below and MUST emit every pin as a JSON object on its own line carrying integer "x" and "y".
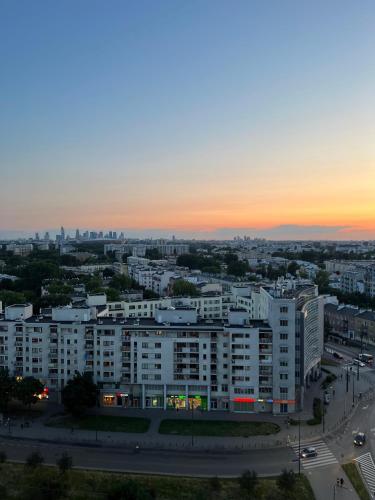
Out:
{"x": 186, "y": 397}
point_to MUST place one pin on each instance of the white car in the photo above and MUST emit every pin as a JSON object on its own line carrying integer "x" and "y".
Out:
{"x": 358, "y": 362}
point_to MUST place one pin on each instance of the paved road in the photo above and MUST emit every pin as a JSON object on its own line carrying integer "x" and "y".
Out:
{"x": 160, "y": 462}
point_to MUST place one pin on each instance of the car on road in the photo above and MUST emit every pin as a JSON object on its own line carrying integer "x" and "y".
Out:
{"x": 337, "y": 355}
{"x": 309, "y": 452}
{"x": 359, "y": 439}
{"x": 358, "y": 362}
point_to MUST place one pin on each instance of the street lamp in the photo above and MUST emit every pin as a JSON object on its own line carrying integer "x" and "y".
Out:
{"x": 299, "y": 444}
{"x": 353, "y": 389}
{"x": 192, "y": 422}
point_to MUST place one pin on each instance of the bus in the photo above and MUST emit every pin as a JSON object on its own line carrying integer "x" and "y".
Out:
{"x": 366, "y": 358}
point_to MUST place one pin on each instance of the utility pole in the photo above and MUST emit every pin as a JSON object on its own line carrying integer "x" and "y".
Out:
{"x": 358, "y": 371}
{"x": 323, "y": 412}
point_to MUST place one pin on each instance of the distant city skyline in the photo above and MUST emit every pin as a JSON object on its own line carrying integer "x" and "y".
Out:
{"x": 194, "y": 118}
{"x": 282, "y": 232}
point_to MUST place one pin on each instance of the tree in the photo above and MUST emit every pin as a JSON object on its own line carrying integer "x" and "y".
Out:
{"x": 7, "y": 385}
{"x": 112, "y": 294}
{"x": 293, "y": 268}
{"x": 215, "y": 484}
{"x": 322, "y": 280}
{"x": 34, "y": 459}
{"x": 121, "y": 282}
{"x": 153, "y": 254}
{"x": 248, "y": 482}
{"x": 64, "y": 463}
{"x": 184, "y": 288}
{"x": 27, "y": 390}
{"x": 8, "y": 297}
{"x": 286, "y": 481}
{"x": 238, "y": 268}
{"x": 79, "y": 394}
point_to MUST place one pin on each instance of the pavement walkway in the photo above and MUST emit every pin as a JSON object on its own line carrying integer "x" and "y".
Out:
{"x": 324, "y": 484}
{"x": 339, "y": 411}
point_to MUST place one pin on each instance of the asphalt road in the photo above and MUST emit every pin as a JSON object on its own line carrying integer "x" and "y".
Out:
{"x": 265, "y": 462}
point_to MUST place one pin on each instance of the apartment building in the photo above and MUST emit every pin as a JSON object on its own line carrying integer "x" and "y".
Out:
{"x": 207, "y": 306}
{"x": 173, "y": 353}
{"x": 173, "y": 360}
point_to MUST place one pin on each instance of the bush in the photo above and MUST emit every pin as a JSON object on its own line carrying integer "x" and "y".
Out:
{"x": 34, "y": 460}
{"x": 215, "y": 484}
{"x": 248, "y": 482}
{"x": 287, "y": 481}
{"x": 64, "y": 463}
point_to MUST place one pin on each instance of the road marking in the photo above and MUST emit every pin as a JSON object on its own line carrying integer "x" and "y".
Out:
{"x": 324, "y": 455}
{"x": 367, "y": 466}
{"x": 373, "y": 429}
{"x": 355, "y": 432}
{"x": 365, "y": 407}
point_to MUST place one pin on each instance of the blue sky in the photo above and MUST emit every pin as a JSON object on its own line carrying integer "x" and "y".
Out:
{"x": 187, "y": 115}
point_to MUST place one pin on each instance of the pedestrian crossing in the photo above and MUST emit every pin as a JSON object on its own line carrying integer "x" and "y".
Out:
{"x": 367, "y": 466}
{"x": 324, "y": 455}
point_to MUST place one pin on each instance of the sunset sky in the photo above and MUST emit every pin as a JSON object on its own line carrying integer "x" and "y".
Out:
{"x": 197, "y": 118}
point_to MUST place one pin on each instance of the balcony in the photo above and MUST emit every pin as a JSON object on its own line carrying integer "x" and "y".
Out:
{"x": 265, "y": 350}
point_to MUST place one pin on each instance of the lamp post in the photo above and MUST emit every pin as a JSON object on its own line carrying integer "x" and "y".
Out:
{"x": 347, "y": 379}
{"x": 299, "y": 444}
{"x": 192, "y": 423}
{"x": 353, "y": 389}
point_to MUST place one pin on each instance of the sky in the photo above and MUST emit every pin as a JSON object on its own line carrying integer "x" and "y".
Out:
{"x": 197, "y": 118}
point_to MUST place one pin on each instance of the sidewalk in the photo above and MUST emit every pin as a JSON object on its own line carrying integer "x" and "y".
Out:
{"x": 338, "y": 414}
{"x": 324, "y": 485}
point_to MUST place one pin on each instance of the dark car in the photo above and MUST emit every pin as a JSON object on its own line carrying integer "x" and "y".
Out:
{"x": 309, "y": 452}
{"x": 360, "y": 439}
{"x": 338, "y": 355}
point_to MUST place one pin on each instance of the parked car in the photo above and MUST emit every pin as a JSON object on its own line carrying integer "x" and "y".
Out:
{"x": 358, "y": 362}
{"x": 309, "y": 452}
{"x": 360, "y": 439}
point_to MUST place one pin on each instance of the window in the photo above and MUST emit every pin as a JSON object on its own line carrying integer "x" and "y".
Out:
{"x": 283, "y": 322}
{"x": 283, "y": 336}
{"x": 284, "y": 391}
{"x": 283, "y": 349}
{"x": 283, "y": 376}
{"x": 284, "y": 309}
{"x": 283, "y": 363}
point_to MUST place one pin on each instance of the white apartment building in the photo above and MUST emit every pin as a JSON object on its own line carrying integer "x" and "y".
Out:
{"x": 174, "y": 353}
{"x": 207, "y": 307}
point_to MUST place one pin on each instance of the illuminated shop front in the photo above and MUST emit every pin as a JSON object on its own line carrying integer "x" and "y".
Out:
{"x": 154, "y": 401}
{"x": 180, "y": 402}
{"x": 121, "y": 399}
{"x": 244, "y": 404}
{"x": 176, "y": 402}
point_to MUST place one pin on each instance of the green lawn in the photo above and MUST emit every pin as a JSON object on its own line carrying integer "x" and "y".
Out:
{"x": 184, "y": 427}
{"x": 356, "y": 480}
{"x": 17, "y": 481}
{"x": 105, "y": 423}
